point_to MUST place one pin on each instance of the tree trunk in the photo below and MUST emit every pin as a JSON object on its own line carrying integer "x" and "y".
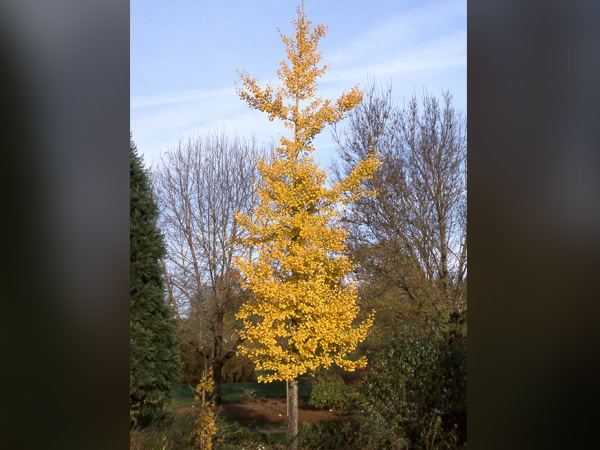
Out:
{"x": 292, "y": 431}
{"x": 217, "y": 379}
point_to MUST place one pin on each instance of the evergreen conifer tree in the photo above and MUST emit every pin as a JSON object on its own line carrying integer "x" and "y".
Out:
{"x": 154, "y": 361}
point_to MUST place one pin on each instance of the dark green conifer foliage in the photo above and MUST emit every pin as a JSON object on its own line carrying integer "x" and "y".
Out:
{"x": 154, "y": 362}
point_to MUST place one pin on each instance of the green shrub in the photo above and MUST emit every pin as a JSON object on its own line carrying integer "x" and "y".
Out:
{"x": 233, "y": 436}
{"x": 326, "y": 435}
{"x": 417, "y": 394}
{"x": 377, "y": 431}
{"x": 144, "y": 415}
{"x": 247, "y": 395}
{"x": 173, "y": 433}
{"x": 329, "y": 391}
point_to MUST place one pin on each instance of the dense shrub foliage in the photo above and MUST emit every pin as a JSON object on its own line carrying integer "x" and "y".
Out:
{"x": 414, "y": 399}
{"x": 326, "y": 435}
{"x": 329, "y": 391}
{"x": 417, "y": 394}
{"x": 233, "y": 436}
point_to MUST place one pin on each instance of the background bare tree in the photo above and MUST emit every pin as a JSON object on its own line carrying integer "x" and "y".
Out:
{"x": 410, "y": 239}
{"x": 201, "y": 185}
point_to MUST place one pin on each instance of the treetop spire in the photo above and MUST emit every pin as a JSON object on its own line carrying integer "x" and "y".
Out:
{"x": 294, "y": 101}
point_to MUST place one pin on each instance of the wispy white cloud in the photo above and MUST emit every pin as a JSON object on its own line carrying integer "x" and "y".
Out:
{"x": 174, "y": 98}
{"x": 439, "y": 54}
{"x": 428, "y": 37}
{"x": 426, "y": 44}
{"x": 442, "y": 53}
{"x": 158, "y": 121}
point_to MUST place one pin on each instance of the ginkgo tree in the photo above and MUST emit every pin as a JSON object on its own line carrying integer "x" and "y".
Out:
{"x": 304, "y": 308}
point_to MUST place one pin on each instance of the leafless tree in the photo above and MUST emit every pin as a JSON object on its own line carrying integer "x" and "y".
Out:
{"x": 200, "y": 186}
{"x": 412, "y": 234}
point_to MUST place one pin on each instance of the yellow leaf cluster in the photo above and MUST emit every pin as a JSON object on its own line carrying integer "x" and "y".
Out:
{"x": 205, "y": 427}
{"x": 303, "y": 312}
{"x": 205, "y": 386}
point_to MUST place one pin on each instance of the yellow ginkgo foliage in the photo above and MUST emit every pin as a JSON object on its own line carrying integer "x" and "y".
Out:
{"x": 302, "y": 315}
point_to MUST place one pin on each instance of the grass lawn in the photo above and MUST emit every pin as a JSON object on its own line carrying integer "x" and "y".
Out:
{"x": 230, "y": 392}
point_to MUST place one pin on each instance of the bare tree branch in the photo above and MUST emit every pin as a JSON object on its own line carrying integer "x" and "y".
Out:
{"x": 201, "y": 185}
{"x": 412, "y": 234}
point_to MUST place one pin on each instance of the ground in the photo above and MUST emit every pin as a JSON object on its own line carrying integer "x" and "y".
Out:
{"x": 265, "y": 413}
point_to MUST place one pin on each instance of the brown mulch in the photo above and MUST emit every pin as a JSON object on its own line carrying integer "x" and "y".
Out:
{"x": 272, "y": 412}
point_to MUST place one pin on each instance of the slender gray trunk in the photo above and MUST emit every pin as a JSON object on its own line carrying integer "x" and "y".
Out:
{"x": 292, "y": 431}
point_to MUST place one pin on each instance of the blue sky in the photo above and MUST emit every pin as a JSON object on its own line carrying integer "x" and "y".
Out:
{"x": 185, "y": 55}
